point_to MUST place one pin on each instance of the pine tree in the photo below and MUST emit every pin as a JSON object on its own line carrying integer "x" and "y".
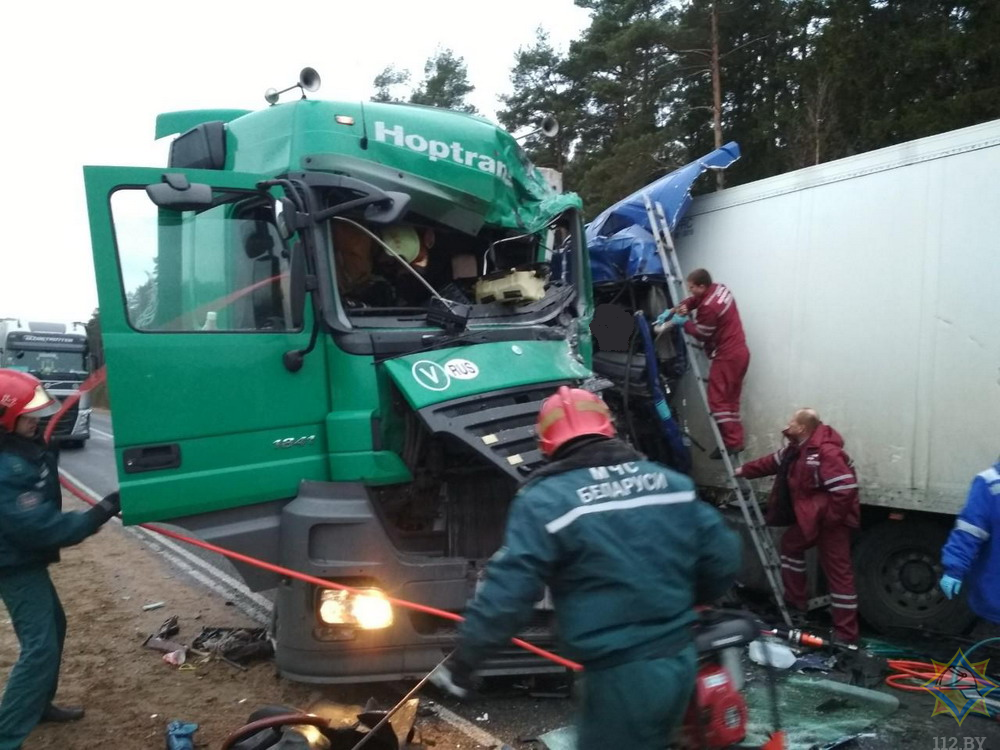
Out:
{"x": 541, "y": 89}
{"x": 622, "y": 72}
{"x": 388, "y": 82}
{"x": 445, "y": 84}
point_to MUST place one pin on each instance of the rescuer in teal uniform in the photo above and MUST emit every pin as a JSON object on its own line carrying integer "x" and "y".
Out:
{"x": 627, "y": 550}
{"x": 32, "y": 530}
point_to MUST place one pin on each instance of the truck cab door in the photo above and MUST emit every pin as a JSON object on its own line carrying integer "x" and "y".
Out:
{"x": 196, "y": 314}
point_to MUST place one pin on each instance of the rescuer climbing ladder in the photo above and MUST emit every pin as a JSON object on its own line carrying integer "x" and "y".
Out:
{"x": 745, "y": 497}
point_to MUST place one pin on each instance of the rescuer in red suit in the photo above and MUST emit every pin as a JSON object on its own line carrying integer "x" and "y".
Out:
{"x": 816, "y": 490}
{"x": 710, "y": 315}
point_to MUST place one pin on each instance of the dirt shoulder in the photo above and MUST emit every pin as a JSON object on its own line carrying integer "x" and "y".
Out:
{"x": 130, "y": 694}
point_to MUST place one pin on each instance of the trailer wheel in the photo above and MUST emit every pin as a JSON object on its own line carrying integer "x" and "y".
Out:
{"x": 898, "y": 566}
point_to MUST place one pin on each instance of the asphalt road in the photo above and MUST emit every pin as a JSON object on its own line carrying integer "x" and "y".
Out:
{"x": 94, "y": 465}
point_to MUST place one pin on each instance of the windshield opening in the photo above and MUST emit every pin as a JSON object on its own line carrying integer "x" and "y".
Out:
{"x": 497, "y": 273}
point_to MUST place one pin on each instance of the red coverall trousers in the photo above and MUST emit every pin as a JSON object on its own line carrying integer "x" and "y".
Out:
{"x": 834, "y": 542}
{"x": 725, "y": 384}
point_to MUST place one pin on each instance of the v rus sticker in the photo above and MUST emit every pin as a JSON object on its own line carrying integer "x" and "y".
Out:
{"x": 461, "y": 369}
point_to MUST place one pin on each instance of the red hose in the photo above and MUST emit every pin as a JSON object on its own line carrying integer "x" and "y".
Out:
{"x": 283, "y": 720}
{"x": 906, "y": 672}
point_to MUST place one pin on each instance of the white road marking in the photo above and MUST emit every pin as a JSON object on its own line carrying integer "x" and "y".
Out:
{"x": 467, "y": 728}
{"x": 102, "y": 433}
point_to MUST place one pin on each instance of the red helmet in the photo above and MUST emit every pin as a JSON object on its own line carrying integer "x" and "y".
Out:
{"x": 23, "y": 395}
{"x": 570, "y": 413}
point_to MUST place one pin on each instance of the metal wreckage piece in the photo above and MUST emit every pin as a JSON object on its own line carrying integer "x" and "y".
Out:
{"x": 238, "y": 645}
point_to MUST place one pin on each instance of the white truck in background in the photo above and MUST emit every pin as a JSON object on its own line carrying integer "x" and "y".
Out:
{"x": 869, "y": 289}
{"x": 58, "y": 355}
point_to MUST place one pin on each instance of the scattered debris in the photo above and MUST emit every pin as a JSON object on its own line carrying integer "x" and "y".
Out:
{"x": 176, "y": 658}
{"x": 815, "y": 661}
{"x": 180, "y": 735}
{"x": 169, "y": 628}
{"x": 866, "y": 669}
{"x": 771, "y": 653}
{"x": 160, "y": 644}
{"x": 237, "y": 646}
{"x": 154, "y": 605}
{"x": 160, "y": 640}
{"x": 484, "y": 717}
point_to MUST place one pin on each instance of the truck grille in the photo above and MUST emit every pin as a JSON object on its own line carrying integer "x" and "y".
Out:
{"x": 499, "y": 426}
{"x": 64, "y": 428}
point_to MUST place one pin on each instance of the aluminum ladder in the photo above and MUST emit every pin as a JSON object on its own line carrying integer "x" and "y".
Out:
{"x": 745, "y": 497}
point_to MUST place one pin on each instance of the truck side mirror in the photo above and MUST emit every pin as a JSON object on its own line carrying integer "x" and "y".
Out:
{"x": 297, "y": 285}
{"x": 285, "y": 218}
{"x": 177, "y": 194}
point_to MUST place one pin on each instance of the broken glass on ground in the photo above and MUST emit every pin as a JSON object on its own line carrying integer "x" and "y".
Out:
{"x": 815, "y": 712}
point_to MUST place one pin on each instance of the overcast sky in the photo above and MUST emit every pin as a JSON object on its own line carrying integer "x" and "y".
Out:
{"x": 84, "y": 83}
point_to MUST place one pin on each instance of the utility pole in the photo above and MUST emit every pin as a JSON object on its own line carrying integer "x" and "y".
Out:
{"x": 720, "y": 180}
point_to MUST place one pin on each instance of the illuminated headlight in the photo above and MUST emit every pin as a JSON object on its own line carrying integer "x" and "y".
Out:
{"x": 367, "y": 609}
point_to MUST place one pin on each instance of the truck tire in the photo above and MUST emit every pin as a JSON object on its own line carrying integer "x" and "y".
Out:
{"x": 897, "y": 567}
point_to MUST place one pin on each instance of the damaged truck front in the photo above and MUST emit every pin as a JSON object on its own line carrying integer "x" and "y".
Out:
{"x": 328, "y": 329}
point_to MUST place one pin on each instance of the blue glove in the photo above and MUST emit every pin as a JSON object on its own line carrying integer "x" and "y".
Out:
{"x": 950, "y": 586}
{"x": 676, "y": 319}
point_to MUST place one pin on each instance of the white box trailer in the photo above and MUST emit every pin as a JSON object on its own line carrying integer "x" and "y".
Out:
{"x": 869, "y": 288}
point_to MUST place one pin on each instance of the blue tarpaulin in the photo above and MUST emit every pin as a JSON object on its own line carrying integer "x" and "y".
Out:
{"x": 628, "y": 254}
{"x": 620, "y": 240}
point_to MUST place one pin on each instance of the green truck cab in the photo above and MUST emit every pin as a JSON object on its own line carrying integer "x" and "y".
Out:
{"x": 328, "y": 328}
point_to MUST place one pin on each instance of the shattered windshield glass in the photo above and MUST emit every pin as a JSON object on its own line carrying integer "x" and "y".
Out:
{"x": 397, "y": 270}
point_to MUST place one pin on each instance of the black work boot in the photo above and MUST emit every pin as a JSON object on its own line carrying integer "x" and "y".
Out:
{"x": 61, "y": 714}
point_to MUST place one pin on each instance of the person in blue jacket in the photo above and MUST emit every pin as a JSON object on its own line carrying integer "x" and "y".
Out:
{"x": 33, "y": 528}
{"x": 971, "y": 557}
{"x": 627, "y": 551}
